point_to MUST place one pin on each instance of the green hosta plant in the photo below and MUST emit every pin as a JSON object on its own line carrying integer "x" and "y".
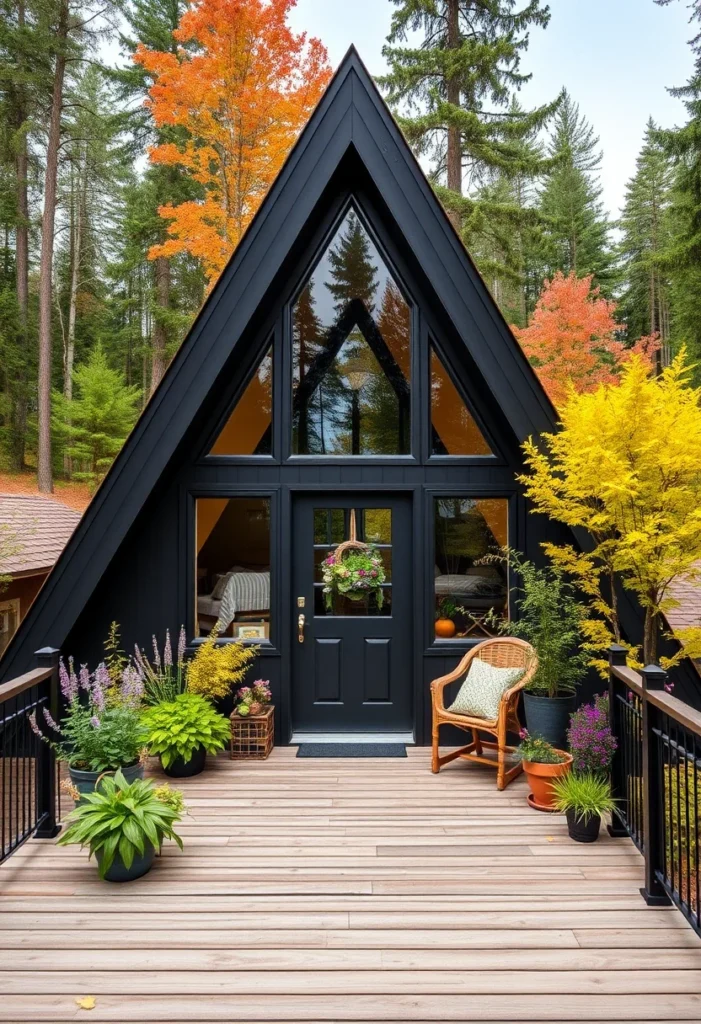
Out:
{"x": 123, "y": 819}
{"x": 586, "y": 795}
{"x": 177, "y": 728}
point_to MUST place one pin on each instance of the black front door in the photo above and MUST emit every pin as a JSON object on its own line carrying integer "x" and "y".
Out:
{"x": 352, "y": 663}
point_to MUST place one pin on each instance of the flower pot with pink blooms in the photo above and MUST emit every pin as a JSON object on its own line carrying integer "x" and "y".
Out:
{"x": 542, "y": 765}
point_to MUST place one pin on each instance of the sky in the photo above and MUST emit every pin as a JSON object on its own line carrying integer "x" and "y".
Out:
{"x": 615, "y": 57}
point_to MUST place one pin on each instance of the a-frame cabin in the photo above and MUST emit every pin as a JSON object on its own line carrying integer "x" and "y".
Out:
{"x": 349, "y": 372}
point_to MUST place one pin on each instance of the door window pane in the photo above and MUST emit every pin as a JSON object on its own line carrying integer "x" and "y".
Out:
{"x": 351, "y": 353}
{"x": 466, "y": 589}
{"x": 233, "y": 566}
{"x": 332, "y": 526}
{"x": 453, "y": 428}
{"x": 248, "y": 430}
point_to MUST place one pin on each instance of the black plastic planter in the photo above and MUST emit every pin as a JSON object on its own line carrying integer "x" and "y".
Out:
{"x": 583, "y": 830}
{"x": 549, "y": 717}
{"x": 142, "y": 863}
{"x": 179, "y": 769}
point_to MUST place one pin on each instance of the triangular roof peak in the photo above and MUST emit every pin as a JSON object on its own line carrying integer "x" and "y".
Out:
{"x": 350, "y": 116}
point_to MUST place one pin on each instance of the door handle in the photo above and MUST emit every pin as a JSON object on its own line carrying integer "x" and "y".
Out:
{"x": 300, "y": 629}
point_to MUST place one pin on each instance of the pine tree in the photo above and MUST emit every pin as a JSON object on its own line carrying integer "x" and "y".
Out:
{"x": 352, "y": 273}
{"x": 577, "y": 238}
{"x": 683, "y": 260}
{"x": 95, "y": 423}
{"x": 454, "y": 96}
{"x": 646, "y": 236}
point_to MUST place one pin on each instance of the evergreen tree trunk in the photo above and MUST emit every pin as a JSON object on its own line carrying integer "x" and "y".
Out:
{"x": 159, "y": 335}
{"x": 76, "y": 242}
{"x": 48, "y": 221}
{"x": 19, "y": 405}
{"x": 454, "y": 154}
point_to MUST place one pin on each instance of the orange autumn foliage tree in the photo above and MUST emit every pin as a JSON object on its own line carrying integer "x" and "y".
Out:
{"x": 573, "y": 338}
{"x": 242, "y": 86}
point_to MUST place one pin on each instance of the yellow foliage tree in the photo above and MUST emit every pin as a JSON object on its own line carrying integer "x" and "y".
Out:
{"x": 626, "y": 467}
{"x": 216, "y": 669}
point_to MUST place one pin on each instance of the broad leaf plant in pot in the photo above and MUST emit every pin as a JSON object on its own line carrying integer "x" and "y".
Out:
{"x": 123, "y": 824}
{"x": 542, "y": 766}
{"x": 550, "y": 619}
{"x": 183, "y": 731}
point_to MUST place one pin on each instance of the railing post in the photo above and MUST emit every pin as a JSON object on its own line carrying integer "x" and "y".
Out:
{"x": 653, "y": 678}
{"x": 47, "y": 657}
{"x": 617, "y": 657}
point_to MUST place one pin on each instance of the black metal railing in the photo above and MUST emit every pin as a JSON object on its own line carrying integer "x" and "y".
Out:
{"x": 28, "y": 780}
{"x": 656, "y": 780}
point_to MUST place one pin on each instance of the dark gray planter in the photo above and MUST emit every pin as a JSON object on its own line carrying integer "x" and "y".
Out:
{"x": 179, "y": 769}
{"x": 139, "y": 866}
{"x": 549, "y": 717}
{"x": 586, "y": 830}
{"x": 85, "y": 781}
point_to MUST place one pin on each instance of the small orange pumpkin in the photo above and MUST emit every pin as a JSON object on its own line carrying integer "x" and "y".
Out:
{"x": 445, "y": 628}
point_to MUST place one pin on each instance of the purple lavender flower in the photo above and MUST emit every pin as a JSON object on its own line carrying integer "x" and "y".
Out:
{"x": 167, "y": 651}
{"x": 32, "y": 719}
{"x": 50, "y": 721}
{"x": 182, "y": 640}
{"x": 101, "y": 682}
{"x": 95, "y": 722}
{"x": 590, "y": 738}
{"x": 68, "y": 681}
{"x": 156, "y": 654}
{"x": 84, "y": 677}
{"x": 669, "y": 687}
{"x": 132, "y": 686}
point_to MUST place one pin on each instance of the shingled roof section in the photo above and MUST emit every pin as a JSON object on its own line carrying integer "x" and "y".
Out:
{"x": 38, "y": 529}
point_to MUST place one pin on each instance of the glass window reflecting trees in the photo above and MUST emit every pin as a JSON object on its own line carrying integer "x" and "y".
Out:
{"x": 351, "y": 353}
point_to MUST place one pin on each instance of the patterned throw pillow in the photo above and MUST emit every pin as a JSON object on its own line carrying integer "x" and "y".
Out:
{"x": 482, "y": 690}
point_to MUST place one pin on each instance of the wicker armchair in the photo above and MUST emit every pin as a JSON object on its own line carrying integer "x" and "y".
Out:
{"x": 502, "y": 652}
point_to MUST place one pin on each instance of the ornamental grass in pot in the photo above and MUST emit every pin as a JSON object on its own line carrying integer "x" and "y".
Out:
{"x": 124, "y": 824}
{"x": 183, "y": 731}
{"x": 550, "y": 619}
{"x": 542, "y": 764}
{"x": 584, "y": 799}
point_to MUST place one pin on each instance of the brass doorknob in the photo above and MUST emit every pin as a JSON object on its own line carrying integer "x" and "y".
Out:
{"x": 300, "y": 629}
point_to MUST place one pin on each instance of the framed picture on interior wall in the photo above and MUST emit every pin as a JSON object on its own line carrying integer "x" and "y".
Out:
{"x": 251, "y": 630}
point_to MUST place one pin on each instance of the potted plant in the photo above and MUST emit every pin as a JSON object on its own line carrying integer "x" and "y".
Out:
{"x": 124, "y": 824}
{"x": 164, "y": 677}
{"x": 183, "y": 731}
{"x": 550, "y": 619}
{"x": 254, "y": 699}
{"x": 446, "y": 614}
{"x": 101, "y": 729}
{"x": 356, "y": 574}
{"x": 590, "y": 739}
{"x": 584, "y": 799}
{"x": 217, "y": 667}
{"x": 542, "y": 765}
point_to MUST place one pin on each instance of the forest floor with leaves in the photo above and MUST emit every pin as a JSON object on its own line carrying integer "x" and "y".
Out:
{"x": 71, "y": 493}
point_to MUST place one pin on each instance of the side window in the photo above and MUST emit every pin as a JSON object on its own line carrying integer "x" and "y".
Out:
{"x": 468, "y": 590}
{"x": 233, "y": 567}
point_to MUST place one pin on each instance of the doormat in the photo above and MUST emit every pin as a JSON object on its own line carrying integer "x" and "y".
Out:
{"x": 351, "y": 750}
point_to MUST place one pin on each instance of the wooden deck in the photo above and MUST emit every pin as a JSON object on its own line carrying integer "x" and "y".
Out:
{"x": 348, "y": 890}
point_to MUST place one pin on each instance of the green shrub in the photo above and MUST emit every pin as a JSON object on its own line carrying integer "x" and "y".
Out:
{"x": 122, "y": 818}
{"x": 537, "y": 750}
{"x": 588, "y": 795}
{"x": 177, "y": 728}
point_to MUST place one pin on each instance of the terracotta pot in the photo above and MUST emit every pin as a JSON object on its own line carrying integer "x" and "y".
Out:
{"x": 541, "y": 775}
{"x": 445, "y": 628}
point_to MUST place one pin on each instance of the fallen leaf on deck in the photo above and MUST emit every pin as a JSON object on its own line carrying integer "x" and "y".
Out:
{"x": 86, "y": 1002}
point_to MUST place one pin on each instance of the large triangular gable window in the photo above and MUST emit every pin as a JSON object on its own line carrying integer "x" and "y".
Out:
{"x": 351, "y": 353}
{"x": 248, "y": 430}
{"x": 453, "y": 427}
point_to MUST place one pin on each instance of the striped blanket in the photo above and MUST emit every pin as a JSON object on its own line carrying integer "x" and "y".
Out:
{"x": 244, "y": 592}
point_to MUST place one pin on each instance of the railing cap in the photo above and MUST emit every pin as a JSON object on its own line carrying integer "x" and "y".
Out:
{"x": 617, "y": 654}
{"x": 653, "y": 677}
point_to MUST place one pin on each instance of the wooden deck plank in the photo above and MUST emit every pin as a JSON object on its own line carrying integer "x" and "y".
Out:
{"x": 301, "y": 899}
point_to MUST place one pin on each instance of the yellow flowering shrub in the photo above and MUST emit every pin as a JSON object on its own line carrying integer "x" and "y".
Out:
{"x": 216, "y": 670}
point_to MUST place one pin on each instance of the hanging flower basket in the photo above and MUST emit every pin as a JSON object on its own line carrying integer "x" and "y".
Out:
{"x": 354, "y": 570}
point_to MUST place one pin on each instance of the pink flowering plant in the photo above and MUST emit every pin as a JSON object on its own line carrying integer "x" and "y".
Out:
{"x": 253, "y": 699}
{"x": 101, "y": 726}
{"x": 359, "y": 573}
{"x": 590, "y": 739}
{"x": 164, "y": 675}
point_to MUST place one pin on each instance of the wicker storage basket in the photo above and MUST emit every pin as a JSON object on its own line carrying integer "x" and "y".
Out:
{"x": 252, "y": 737}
